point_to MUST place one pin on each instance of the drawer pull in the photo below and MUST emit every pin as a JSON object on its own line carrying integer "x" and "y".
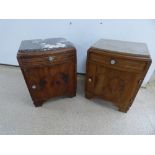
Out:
{"x": 112, "y": 62}
{"x": 34, "y": 87}
{"x": 50, "y": 58}
{"x": 89, "y": 80}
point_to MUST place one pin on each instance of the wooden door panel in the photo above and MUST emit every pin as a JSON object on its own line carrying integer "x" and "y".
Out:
{"x": 46, "y": 82}
{"x": 114, "y": 85}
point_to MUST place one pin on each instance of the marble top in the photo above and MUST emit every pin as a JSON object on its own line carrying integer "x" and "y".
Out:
{"x": 44, "y": 44}
{"x": 122, "y": 46}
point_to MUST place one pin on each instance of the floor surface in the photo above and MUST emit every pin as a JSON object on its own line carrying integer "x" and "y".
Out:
{"x": 66, "y": 116}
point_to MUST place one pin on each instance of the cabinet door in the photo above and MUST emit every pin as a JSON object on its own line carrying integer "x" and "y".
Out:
{"x": 90, "y": 77}
{"x": 114, "y": 85}
{"x": 46, "y": 82}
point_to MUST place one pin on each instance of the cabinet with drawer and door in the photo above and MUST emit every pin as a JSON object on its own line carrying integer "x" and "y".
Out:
{"x": 48, "y": 67}
{"x": 115, "y": 71}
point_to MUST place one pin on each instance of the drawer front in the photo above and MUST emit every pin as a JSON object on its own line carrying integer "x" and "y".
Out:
{"x": 46, "y": 60}
{"x": 118, "y": 63}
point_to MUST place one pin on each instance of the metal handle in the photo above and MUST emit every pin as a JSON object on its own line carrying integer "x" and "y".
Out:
{"x": 50, "y": 58}
{"x": 34, "y": 86}
{"x": 112, "y": 61}
{"x": 89, "y": 80}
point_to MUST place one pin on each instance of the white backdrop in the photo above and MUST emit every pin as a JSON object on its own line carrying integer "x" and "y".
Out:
{"x": 81, "y": 32}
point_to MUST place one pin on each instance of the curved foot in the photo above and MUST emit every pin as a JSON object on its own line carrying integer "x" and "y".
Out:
{"x": 123, "y": 109}
{"x": 72, "y": 95}
{"x": 38, "y": 103}
{"x": 88, "y": 95}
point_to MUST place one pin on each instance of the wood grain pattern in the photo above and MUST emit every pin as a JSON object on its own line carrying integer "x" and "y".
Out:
{"x": 47, "y": 78}
{"x": 118, "y": 82}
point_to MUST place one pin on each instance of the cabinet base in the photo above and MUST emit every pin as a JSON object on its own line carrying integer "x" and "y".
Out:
{"x": 72, "y": 95}
{"x": 88, "y": 95}
{"x": 38, "y": 103}
{"x": 123, "y": 109}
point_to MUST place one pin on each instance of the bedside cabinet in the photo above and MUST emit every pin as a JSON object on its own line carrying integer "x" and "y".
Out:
{"x": 115, "y": 71}
{"x": 48, "y": 67}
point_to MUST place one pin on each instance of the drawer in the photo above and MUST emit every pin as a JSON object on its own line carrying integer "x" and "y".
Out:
{"x": 121, "y": 63}
{"x": 46, "y": 60}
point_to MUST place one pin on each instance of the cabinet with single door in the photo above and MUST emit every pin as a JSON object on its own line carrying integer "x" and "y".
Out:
{"x": 48, "y": 72}
{"x": 115, "y": 75}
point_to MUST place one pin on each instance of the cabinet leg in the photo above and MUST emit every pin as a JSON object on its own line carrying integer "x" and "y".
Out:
{"x": 38, "y": 103}
{"x": 88, "y": 95}
{"x": 72, "y": 94}
{"x": 123, "y": 109}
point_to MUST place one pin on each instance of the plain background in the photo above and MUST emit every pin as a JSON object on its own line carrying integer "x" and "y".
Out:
{"x": 83, "y": 33}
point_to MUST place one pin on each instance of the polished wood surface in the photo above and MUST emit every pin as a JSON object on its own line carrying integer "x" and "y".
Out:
{"x": 115, "y": 76}
{"x": 49, "y": 74}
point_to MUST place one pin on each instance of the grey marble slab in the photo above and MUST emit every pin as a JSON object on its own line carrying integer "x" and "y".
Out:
{"x": 44, "y": 44}
{"x": 122, "y": 46}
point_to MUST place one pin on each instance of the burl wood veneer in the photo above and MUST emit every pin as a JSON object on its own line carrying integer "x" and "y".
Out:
{"x": 115, "y": 71}
{"x": 48, "y": 67}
